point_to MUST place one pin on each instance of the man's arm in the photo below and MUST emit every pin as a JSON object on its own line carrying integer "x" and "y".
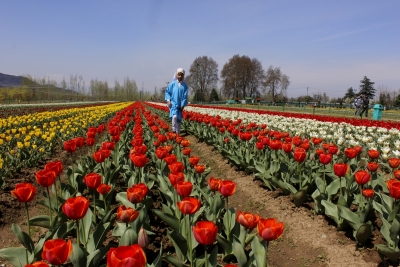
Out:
{"x": 184, "y": 97}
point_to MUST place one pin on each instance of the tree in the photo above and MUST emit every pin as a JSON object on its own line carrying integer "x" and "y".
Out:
{"x": 214, "y": 95}
{"x": 351, "y": 93}
{"x": 396, "y": 102}
{"x": 203, "y": 76}
{"x": 367, "y": 87}
{"x": 276, "y": 83}
{"x": 241, "y": 77}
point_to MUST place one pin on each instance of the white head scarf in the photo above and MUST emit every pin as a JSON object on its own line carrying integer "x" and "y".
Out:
{"x": 176, "y": 72}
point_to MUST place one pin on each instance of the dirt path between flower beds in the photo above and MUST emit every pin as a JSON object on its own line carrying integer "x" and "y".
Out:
{"x": 308, "y": 240}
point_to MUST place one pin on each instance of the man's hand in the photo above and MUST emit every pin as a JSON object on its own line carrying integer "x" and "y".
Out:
{"x": 168, "y": 103}
{"x": 181, "y": 108}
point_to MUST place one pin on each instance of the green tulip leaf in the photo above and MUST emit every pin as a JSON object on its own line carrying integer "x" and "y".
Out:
{"x": 23, "y": 237}
{"x": 225, "y": 244}
{"x": 64, "y": 229}
{"x": 78, "y": 256}
{"x": 259, "y": 252}
{"x": 121, "y": 197}
{"x": 180, "y": 244}
{"x": 168, "y": 219}
{"x": 129, "y": 237}
{"x": 41, "y": 221}
{"x": 157, "y": 262}
{"x": 385, "y": 252}
{"x": 363, "y": 233}
{"x": 97, "y": 237}
{"x": 239, "y": 252}
{"x": 351, "y": 217}
{"x": 16, "y": 256}
{"x": 95, "y": 257}
{"x": 174, "y": 261}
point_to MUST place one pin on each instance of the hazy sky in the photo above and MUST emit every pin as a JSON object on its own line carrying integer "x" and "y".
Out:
{"x": 326, "y": 45}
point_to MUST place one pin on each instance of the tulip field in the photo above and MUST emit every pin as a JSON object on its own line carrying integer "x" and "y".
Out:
{"x": 129, "y": 192}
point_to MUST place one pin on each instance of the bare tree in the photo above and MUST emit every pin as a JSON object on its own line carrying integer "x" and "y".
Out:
{"x": 241, "y": 76}
{"x": 203, "y": 76}
{"x": 276, "y": 83}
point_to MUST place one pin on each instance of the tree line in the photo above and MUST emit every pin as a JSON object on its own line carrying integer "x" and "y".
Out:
{"x": 241, "y": 77}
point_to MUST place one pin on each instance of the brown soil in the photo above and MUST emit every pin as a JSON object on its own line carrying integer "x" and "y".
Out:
{"x": 308, "y": 240}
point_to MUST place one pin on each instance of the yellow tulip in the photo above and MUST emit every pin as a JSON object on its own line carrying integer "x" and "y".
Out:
{"x": 1, "y": 141}
{"x": 9, "y": 138}
{"x": 41, "y": 149}
{"x": 13, "y": 131}
{"x": 3, "y": 135}
{"x": 27, "y": 144}
{"x": 34, "y": 146}
{"x": 17, "y": 135}
{"x": 20, "y": 145}
{"x": 12, "y": 151}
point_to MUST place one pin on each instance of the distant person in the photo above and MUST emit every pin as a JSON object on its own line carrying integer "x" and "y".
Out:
{"x": 365, "y": 106}
{"x": 358, "y": 104}
{"x": 176, "y": 96}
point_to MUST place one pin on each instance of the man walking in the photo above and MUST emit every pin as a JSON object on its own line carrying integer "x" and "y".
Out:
{"x": 176, "y": 96}
{"x": 365, "y": 106}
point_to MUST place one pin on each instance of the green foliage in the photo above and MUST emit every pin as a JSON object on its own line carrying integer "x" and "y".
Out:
{"x": 367, "y": 87}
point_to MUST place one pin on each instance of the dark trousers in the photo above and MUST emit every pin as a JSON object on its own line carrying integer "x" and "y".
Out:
{"x": 364, "y": 109}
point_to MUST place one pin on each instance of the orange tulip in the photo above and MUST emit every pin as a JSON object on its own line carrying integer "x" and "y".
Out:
{"x": 394, "y": 162}
{"x": 396, "y": 174}
{"x": 193, "y": 160}
{"x": 186, "y": 151}
{"x": 247, "y": 219}
{"x": 199, "y": 168}
{"x": 270, "y": 229}
{"x": 214, "y": 184}
{"x": 37, "y": 264}
{"x": 369, "y": 193}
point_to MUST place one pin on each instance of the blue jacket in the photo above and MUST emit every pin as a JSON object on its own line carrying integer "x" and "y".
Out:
{"x": 178, "y": 95}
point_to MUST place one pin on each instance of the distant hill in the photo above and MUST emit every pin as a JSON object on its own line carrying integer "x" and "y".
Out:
{"x": 7, "y": 80}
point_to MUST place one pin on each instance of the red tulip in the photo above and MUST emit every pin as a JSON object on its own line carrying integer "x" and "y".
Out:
{"x": 199, "y": 168}
{"x": 227, "y": 188}
{"x": 75, "y": 207}
{"x": 340, "y": 169}
{"x": 247, "y": 219}
{"x": 319, "y": 151}
{"x": 176, "y": 167}
{"x": 270, "y": 229}
{"x": 205, "y": 232}
{"x": 56, "y": 251}
{"x": 185, "y": 143}
{"x": 186, "y": 151}
{"x": 45, "y": 177}
{"x": 350, "y": 153}
{"x": 189, "y": 205}
{"x": 305, "y": 146}
{"x": 143, "y": 238}
{"x": 24, "y": 192}
{"x": 299, "y": 154}
{"x": 101, "y": 155}
{"x": 362, "y": 177}
{"x": 108, "y": 145}
{"x": 103, "y": 189}
{"x": 394, "y": 188}
{"x": 37, "y": 264}
{"x": 184, "y": 188}
{"x": 138, "y": 160}
{"x": 161, "y": 152}
{"x": 325, "y": 158}
{"x": 92, "y": 180}
{"x": 55, "y": 166}
{"x": 316, "y": 141}
{"x": 214, "y": 184}
{"x": 126, "y": 256}
{"x": 394, "y": 162}
{"x": 396, "y": 174}
{"x": 156, "y": 143}
{"x": 70, "y": 146}
{"x": 162, "y": 138}
{"x": 358, "y": 149}
{"x": 369, "y": 193}
{"x": 169, "y": 159}
{"x": 372, "y": 166}
{"x": 332, "y": 149}
{"x": 373, "y": 154}
{"x": 90, "y": 141}
{"x": 226, "y": 140}
{"x": 137, "y": 193}
{"x": 140, "y": 150}
{"x": 259, "y": 146}
{"x": 174, "y": 178}
{"x": 275, "y": 144}
{"x": 90, "y": 134}
{"x": 80, "y": 141}
{"x": 193, "y": 160}
{"x": 287, "y": 147}
{"x": 127, "y": 215}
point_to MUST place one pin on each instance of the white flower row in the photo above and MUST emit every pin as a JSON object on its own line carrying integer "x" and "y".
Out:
{"x": 342, "y": 134}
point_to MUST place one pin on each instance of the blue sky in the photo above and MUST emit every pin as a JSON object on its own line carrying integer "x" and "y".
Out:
{"x": 327, "y": 46}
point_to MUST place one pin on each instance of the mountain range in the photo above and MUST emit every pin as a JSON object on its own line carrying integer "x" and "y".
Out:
{"x": 7, "y": 80}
